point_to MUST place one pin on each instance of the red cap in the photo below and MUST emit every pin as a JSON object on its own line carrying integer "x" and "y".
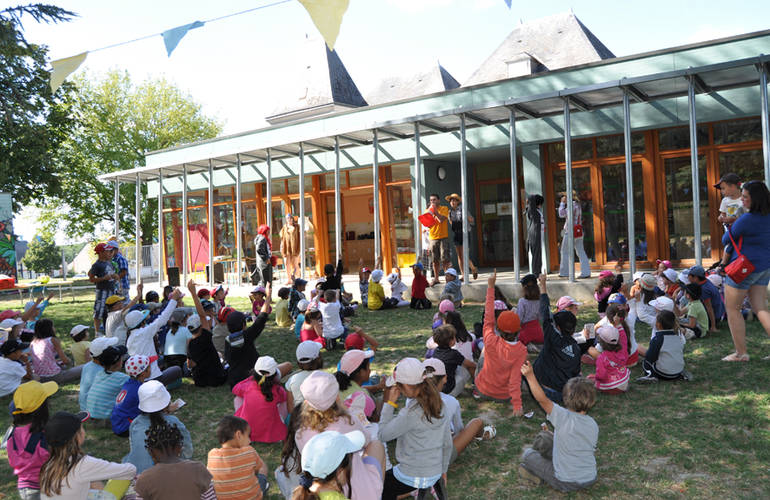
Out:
{"x": 224, "y": 313}
{"x": 354, "y": 341}
{"x": 101, "y": 247}
{"x": 9, "y": 313}
{"x": 203, "y": 292}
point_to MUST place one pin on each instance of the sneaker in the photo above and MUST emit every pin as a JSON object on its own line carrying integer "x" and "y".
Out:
{"x": 528, "y": 478}
{"x": 689, "y": 334}
{"x": 647, "y": 379}
{"x": 476, "y": 394}
{"x": 687, "y": 376}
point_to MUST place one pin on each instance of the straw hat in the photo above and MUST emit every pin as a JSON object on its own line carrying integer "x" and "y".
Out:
{"x": 453, "y": 195}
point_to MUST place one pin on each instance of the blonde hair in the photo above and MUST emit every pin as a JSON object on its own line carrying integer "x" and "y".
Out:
{"x": 310, "y": 418}
{"x": 60, "y": 463}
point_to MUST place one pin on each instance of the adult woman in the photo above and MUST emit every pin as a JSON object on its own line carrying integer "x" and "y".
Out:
{"x": 535, "y": 228}
{"x": 290, "y": 248}
{"x": 456, "y": 220}
{"x": 577, "y": 220}
{"x": 263, "y": 272}
{"x": 751, "y": 233}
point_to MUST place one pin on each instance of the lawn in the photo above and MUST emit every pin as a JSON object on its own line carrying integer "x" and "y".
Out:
{"x": 707, "y": 438}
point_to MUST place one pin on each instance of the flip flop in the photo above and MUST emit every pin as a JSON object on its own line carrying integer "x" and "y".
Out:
{"x": 736, "y": 357}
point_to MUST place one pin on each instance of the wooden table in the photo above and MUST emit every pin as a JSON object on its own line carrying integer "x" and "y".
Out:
{"x": 35, "y": 287}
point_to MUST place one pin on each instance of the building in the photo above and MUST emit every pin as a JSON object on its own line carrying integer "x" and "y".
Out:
{"x": 550, "y": 112}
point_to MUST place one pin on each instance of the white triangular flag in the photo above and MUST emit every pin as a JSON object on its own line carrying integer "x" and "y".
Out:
{"x": 62, "y": 68}
{"x": 327, "y": 17}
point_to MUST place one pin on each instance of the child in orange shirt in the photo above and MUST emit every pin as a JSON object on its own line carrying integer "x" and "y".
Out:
{"x": 499, "y": 375}
{"x": 237, "y": 469}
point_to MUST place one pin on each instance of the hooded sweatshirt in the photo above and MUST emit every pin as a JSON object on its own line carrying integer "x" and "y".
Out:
{"x": 559, "y": 360}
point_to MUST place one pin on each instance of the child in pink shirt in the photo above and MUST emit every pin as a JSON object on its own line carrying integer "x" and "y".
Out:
{"x": 612, "y": 375}
{"x": 263, "y": 401}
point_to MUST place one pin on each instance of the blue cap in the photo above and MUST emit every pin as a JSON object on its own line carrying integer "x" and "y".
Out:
{"x": 617, "y": 298}
{"x": 698, "y": 271}
{"x": 299, "y": 282}
{"x": 419, "y": 266}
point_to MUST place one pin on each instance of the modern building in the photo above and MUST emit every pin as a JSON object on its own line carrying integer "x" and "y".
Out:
{"x": 641, "y": 140}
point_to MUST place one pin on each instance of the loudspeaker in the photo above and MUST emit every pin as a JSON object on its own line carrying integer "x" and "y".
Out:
{"x": 173, "y": 276}
{"x": 219, "y": 272}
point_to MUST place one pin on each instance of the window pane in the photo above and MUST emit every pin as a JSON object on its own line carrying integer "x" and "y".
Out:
{"x": 224, "y": 231}
{"x": 581, "y": 182}
{"x": 331, "y": 223}
{"x": 679, "y": 137}
{"x": 747, "y": 164}
{"x": 680, "y": 208}
{"x": 738, "y": 131}
{"x": 615, "y": 213}
{"x": 172, "y": 235}
{"x": 327, "y": 180}
{"x": 247, "y": 191}
{"x": 172, "y": 201}
{"x": 248, "y": 231}
{"x": 496, "y": 223}
{"x": 401, "y": 172}
{"x": 582, "y": 149}
{"x": 277, "y": 187}
{"x": 223, "y": 195}
{"x": 196, "y": 199}
{"x": 494, "y": 171}
{"x": 310, "y": 257}
{"x": 361, "y": 177}
{"x": 556, "y": 152}
{"x": 402, "y": 224}
{"x": 612, "y": 145}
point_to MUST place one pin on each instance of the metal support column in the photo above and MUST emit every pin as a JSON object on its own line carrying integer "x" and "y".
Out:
{"x": 302, "y": 245}
{"x": 417, "y": 202}
{"x": 210, "y": 223}
{"x": 464, "y": 196}
{"x": 337, "y": 201}
{"x": 185, "y": 239}
{"x": 570, "y": 222}
{"x": 765, "y": 121}
{"x": 629, "y": 183}
{"x": 514, "y": 193}
{"x": 376, "y": 200}
{"x": 694, "y": 169}
{"x": 117, "y": 208}
{"x": 269, "y": 187}
{"x": 138, "y": 259}
{"x": 161, "y": 239}
{"x": 239, "y": 218}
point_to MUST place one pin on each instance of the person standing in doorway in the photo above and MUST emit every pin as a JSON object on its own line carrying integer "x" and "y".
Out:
{"x": 577, "y": 230}
{"x": 290, "y": 248}
{"x": 535, "y": 233}
{"x": 439, "y": 236}
{"x": 456, "y": 220}
{"x": 263, "y": 272}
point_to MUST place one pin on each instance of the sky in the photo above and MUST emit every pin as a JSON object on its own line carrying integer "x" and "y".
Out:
{"x": 233, "y": 67}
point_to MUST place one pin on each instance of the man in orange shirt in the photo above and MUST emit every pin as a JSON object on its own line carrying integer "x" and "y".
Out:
{"x": 438, "y": 234}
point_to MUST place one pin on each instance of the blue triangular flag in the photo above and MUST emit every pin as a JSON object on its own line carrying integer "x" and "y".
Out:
{"x": 508, "y": 3}
{"x": 173, "y": 36}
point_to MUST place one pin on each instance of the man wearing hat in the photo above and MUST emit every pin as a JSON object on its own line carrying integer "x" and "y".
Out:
{"x": 710, "y": 297}
{"x": 14, "y": 366}
{"x": 121, "y": 264}
{"x": 456, "y": 219}
{"x": 438, "y": 234}
{"x": 103, "y": 275}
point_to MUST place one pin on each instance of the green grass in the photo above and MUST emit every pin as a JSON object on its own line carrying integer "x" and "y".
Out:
{"x": 707, "y": 438}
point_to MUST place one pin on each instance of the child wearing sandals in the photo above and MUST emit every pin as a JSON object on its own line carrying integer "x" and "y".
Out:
{"x": 565, "y": 458}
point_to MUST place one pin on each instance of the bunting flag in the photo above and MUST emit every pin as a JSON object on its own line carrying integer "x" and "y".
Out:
{"x": 62, "y": 68}
{"x": 508, "y": 3}
{"x": 327, "y": 17}
{"x": 172, "y": 37}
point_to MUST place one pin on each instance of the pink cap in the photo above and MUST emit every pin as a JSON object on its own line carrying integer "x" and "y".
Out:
{"x": 500, "y": 306}
{"x": 320, "y": 390}
{"x": 608, "y": 333}
{"x": 605, "y": 274}
{"x": 352, "y": 359}
{"x": 445, "y": 306}
{"x": 565, "y": 302}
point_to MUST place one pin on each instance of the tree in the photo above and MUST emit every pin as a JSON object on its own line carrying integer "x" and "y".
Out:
{"x": 42, "y": 255}
{"x": 117, "y": 123}
{"x": 33, "y": 121}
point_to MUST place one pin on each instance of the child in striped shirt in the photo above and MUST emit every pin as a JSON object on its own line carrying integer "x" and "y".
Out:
{"x": 107, "y": 384}
{"x": 238, "y": 471}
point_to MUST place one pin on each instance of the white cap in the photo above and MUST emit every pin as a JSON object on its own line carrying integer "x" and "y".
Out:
{"x": 663, "y": 303}
{"x": 671, "y": 275}
{"x": 9, "y": 323}
{"x": 308, "y": 351}
{"x": 153, "y": 396}
{"x": 637, "y": 275}
{"x": 134, "y": 318}
{"x": 99, "y": 344}
{"x": 715, "y": 279}
{"x": 377, "y": 275}
{"x": 408, "y": 371}
{"x": 392, "y": 277}
{"x": 439, "y": 368}
{"x": 451, "y": 271}
{"x": 325, "y": 451}
{"x": 302, "y": 304}
{"x": 77, "y": 329}
{"x": 684, "y": 276}
{"x": 266, "y": 365}
{"x": 193, "y": 322}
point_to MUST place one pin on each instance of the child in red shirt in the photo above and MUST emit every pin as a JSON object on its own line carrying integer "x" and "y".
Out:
{"x": 419, "y": 284}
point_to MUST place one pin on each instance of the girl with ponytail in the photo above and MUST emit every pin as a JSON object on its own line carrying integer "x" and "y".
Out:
{"x": 326, "y": 465}
{"x": 261, "y": 400}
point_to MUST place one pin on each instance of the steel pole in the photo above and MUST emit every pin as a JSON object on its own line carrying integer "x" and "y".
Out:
{"x": 117, "y": 208}
{"x": 210, "y": 225}
{"x": 302, "y": 211}
{"x": 376, "y": 200}
{"x": 184, "y": 226}
{"x": 694, "y": 169}
{"x": 269, "y": 188}
{"x": 765, "y": 122}
{"x": 337, "y": 201}
{"x": 417, "y": 202}
{"x": 160, "y": 228}
{"x": 514, "y": 193}
{"x": 138, "y": 261}
{"x": 239, "y": 219}
{"x": 569, "y": 233}
{"x": 464, "y": 196}
{"x": 629, "y": 183}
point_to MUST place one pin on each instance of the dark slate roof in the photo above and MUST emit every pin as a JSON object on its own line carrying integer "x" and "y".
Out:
{"x": 396, "y": 88}
{"x": 557, "y": 41}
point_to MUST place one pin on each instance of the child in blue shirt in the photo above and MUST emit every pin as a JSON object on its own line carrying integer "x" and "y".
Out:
{"x": 93, "y": 367}
{"x": 107, "y": 384}
{"x": 301, "y": 308}
{"x": 127, "y": 403}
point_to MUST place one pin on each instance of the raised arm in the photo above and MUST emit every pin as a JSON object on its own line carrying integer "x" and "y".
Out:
{"x": 338, "y": 272}
{"x": 488, "y": 329}
{"x": 371, "y": 340}
{"x": 535, "y": 389}
{"x": 205, "y": 323}
{"x": 137, "y": 298}
{"x": 32, "y": 311}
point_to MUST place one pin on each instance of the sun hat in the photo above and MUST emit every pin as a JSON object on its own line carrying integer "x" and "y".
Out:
{"x": 324, "y": 452}
{"x": 670, "y": 275}
{"x": 207, "y": 304}
{"x": 179, "y": 315}
{"x": 352, "y": 359}
{"x": 445, "y": 306}
{"x": 203, "y": 292}
{"x": 216, "y": 289}
{"x": 99, "y": 344}
{"x": 663, "y": 303}
{"x": 112, "y": 244}
{"x": 648, "y": 282}
{"x": 224, "y": 313}
{"x": 63, "y": 426}
{"x": 366, "y": 270}
{"x": 153, "y": 396}
{"x": 605, "y": 274}
{"x": 617, "y": 298}
{"x": 377, "y": 275}
{"x": 193, "y": 322}
{"x": 266, "y": 365}
{"x": 135, "y": 318}
{"x": 565, "y": 302}
{"x": 307, "y": 351}
{"x": 451, "y": 272}
{"x": 715, "y": 279}
{"x": 114, "y": 299}
{"x": 11, "y": 346}
{"x": 683, "y": 276}
{"x": 299, "y": 282}
{"x": 508, "y": 322}
{"x": 666, "y": 263}
{"x": 320, "y": 389}
{"x": 9, "y": 323}
{"x": 500, "y": 306}
{"x": 77, "y": 329}
{"x": 259, "y": 289}
{"x": 608, "y": 333}
{"x": 638, "y": 275}
{"x": 408, "y": 371}
{"x": 302, "y": 304}
{"x": 29, "y": 305}
{"x": 439, "y": 368}
{"x": 137, "y": 364}
{"x": 31, "y": 395}
{"x": 354, "y": 340}
{"x": 455, "y": 196}
{"x": 698, "y": 272}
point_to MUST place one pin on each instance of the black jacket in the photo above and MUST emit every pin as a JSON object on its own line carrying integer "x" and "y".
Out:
{"x": 559, "y": 360}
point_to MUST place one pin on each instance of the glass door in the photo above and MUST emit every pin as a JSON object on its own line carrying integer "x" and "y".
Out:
{"x": 614, "y": 208}
{"x": 401, "y": 224}
{"x": 495, "y": 223}
{"x": 681, "y": 234}
{"x": 310, "y": 250}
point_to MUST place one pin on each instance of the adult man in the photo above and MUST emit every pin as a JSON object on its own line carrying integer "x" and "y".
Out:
{"x": 438, "y": 234}
{"x": 103, "y": 275}
{"x": 121, "y": 264}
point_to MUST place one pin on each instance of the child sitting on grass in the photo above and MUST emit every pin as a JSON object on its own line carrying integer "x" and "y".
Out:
{"x": 282, "y": 316}
{"x": 458, "y": 368}
{"x": 93, "y": 367}
{"x": 397, "y": 287}
{"x": 237, "y": 469}
{"x": 296, "y": 294}
{"x": 453, "y": 287}
{"x": 263, "y": 400}
{"x": 177, "y": 338}
{"x": 333, "y": 329}
{"x": 377, "y": 300}
{"x": 301, "y": 310}
{"x": 127, "y": 402}
{"x": 612, "y": 375}
{"x": 664, "y": 359}
{"x": 528, "y": 310}
{"x": 419, "y": 284}
{"x": 79, "y": 348}
{"x": 106, "y": 385}
{"x": 363, "y": 282}
{"x": 312, "y": 328}
{"x": 694, "y": 318}
{"x": 608, "y": 284}
{"x": 308, "y": 360}
{"x": 257, "y": 298}
{"x": 569, "y": 463}
{"x": 499, "y": 376}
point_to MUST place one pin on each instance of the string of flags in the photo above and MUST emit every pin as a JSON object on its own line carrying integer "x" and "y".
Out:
{"x": 325, "y": 14}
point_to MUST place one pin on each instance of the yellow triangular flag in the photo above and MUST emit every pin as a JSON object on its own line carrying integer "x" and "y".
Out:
{"x": 327, "y": 17}
{"x": 62, "y": 68}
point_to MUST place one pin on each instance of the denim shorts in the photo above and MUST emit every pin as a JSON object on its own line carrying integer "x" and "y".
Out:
{"x": 756, "y": 278}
